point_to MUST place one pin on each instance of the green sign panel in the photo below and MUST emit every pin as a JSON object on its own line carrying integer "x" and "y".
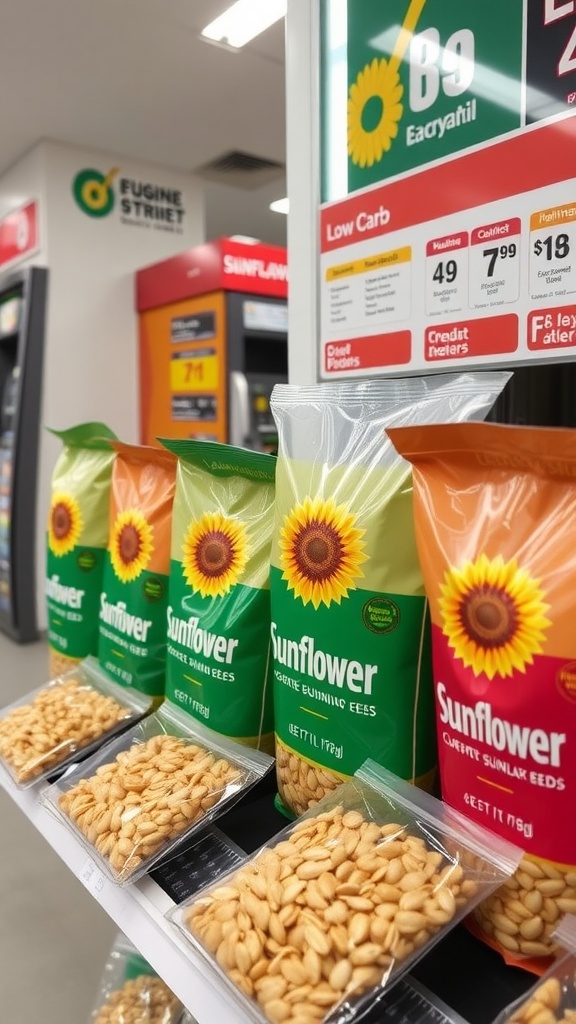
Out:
{"x": 410, "y": 81}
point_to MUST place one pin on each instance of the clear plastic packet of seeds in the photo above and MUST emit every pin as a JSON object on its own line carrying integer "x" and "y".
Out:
{"x": 143, "y": 793}
{"x": 72, "y": 715}
{"x": 130, "y": 991}
{"x": 552, "y": 1000}
{"x": 320, "y": 922}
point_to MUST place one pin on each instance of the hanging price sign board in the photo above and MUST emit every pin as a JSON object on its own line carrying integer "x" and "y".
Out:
{"x": 448, "y": 227}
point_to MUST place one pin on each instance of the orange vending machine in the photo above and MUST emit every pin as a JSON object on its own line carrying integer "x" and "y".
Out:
{"x": 212, "y": 343}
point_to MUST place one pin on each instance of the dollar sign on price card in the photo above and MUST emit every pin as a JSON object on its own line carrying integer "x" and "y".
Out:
{"x": 552, "y": 252}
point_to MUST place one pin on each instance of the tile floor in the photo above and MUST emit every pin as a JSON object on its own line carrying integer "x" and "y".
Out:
{"x": 54, "y": 938}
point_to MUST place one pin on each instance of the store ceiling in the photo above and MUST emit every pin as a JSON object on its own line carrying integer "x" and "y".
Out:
{"x": 131, "y": 77}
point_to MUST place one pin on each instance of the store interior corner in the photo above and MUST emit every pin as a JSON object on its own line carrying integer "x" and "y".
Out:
{"x": 287, "y": 512}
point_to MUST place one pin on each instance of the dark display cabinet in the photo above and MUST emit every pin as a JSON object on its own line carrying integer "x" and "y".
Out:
{"x": 22, "y": 327}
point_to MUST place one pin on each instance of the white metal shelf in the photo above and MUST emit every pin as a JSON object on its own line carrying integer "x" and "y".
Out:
{"x": 138, "y": 911}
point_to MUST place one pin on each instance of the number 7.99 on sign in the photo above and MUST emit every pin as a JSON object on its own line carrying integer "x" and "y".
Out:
{"x": 495, "y": 264}
{"x": 447, "y": 274}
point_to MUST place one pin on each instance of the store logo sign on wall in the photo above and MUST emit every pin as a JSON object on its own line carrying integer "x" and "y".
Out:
{"x": 93, "y": 191}
{"x": 133, "y": 201}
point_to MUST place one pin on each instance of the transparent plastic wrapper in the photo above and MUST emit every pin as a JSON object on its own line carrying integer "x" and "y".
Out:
{"x": 143, "y": 793}
{"x": 552, "y": 1000}
{"x": 73, "y": 714}
{"x": 323, "y": 920}
{"x": 350, "y": 624}
{"x": 77, "y": 535}
{"x": 495, "y": 519}
{"x": 130, "y": 991}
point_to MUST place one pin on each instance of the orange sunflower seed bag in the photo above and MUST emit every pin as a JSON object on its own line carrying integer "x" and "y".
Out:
{"x": 495, "y": 519}
{"x": 132, "y": 641}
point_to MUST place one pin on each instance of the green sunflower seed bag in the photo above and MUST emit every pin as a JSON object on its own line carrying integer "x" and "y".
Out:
{"x": 218, "y": 666}
{"x": 76, "y": 542}
{"x": 350, "y": 625}
{"x": 132, "y": 645}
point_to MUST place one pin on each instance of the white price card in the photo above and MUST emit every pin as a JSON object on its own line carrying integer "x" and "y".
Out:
{"x": 91, "y": 876}
{"x": 369, "y": 292}
{"x": 495, "y": 264}
{"x": 553, "y": 252}
{"x": 447, "y": 274}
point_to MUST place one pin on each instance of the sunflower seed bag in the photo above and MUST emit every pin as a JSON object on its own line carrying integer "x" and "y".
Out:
{"x": 218, "y": 664}
{"x": 495, "y": 521}
{"x": 76, "y": 541}
{"x": 350, "y": 627}
{"x": 132, "y": 641}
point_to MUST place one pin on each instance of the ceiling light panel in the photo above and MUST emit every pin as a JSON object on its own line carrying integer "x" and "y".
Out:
{"x": 243, "y": 21}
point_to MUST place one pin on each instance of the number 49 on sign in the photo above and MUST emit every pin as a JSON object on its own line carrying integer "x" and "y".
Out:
{"x": 447, "y": 274}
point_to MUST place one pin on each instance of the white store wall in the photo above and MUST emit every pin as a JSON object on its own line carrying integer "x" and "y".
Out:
{"x": 90, "y": 360}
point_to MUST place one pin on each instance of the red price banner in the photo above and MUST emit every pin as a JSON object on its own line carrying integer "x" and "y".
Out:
{"x": 19, "y": 234}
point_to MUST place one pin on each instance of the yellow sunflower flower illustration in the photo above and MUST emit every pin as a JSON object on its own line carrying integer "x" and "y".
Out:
{"x": 321, "y": 551}
{"x": 374, "y": 110}
{"x": 215, "y": 554}
{"x": 494, "y": 615}
{"x": 131, "y": 544}
{"x": 65, "y": 523}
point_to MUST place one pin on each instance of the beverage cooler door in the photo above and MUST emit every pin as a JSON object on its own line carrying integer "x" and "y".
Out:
{"x": 22, "y": 322}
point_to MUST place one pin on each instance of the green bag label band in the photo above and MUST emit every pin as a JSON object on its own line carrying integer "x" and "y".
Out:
{"x": 360, "y": 686}
{"x": 72, "y": 589}
{"x": 86, "y": 435}
{"x": 218, "y": 668}
{"x": 132, "y": 631}
{"x": 224, "y": 460}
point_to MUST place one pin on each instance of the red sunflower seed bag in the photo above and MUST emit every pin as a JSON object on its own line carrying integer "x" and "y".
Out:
{"x": 132, "y": 641}
{"x": 495, "y": 519}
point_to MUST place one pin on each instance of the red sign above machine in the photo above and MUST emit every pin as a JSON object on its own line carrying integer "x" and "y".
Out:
{"x": 19, "y": 234}
{"x": 222, "y": 265}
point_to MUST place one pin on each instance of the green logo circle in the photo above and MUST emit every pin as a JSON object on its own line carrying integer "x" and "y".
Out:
{"x": 153, "y": 589}
{"x": 381, "y": 615}
{"x": 93, "y": 192}
{"x": 86, "y": 561}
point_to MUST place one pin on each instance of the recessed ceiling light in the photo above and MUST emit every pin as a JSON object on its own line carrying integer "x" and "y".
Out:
{"x": 246, "y": 239}
{"x": 280, "y": 205}
{"x": 243, "y": 21}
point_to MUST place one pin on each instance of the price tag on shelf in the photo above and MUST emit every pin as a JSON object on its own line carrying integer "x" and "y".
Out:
{"x": 91, "y": 876}
{"x": 495, "y": 264}
{"x": 553, "y": 252}
{"x": 200, "y": 862}
{"x": 447, "y": 274}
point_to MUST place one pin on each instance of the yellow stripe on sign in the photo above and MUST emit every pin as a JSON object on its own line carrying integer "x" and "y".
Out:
{"x": 381, "y": 261}
{"x": 554, "y": 217}
{"x": 118, "y": 654}
{"x": 316, "y": 713}
{"x": 191, "y": 680}
{"x": 405, "y": 34}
